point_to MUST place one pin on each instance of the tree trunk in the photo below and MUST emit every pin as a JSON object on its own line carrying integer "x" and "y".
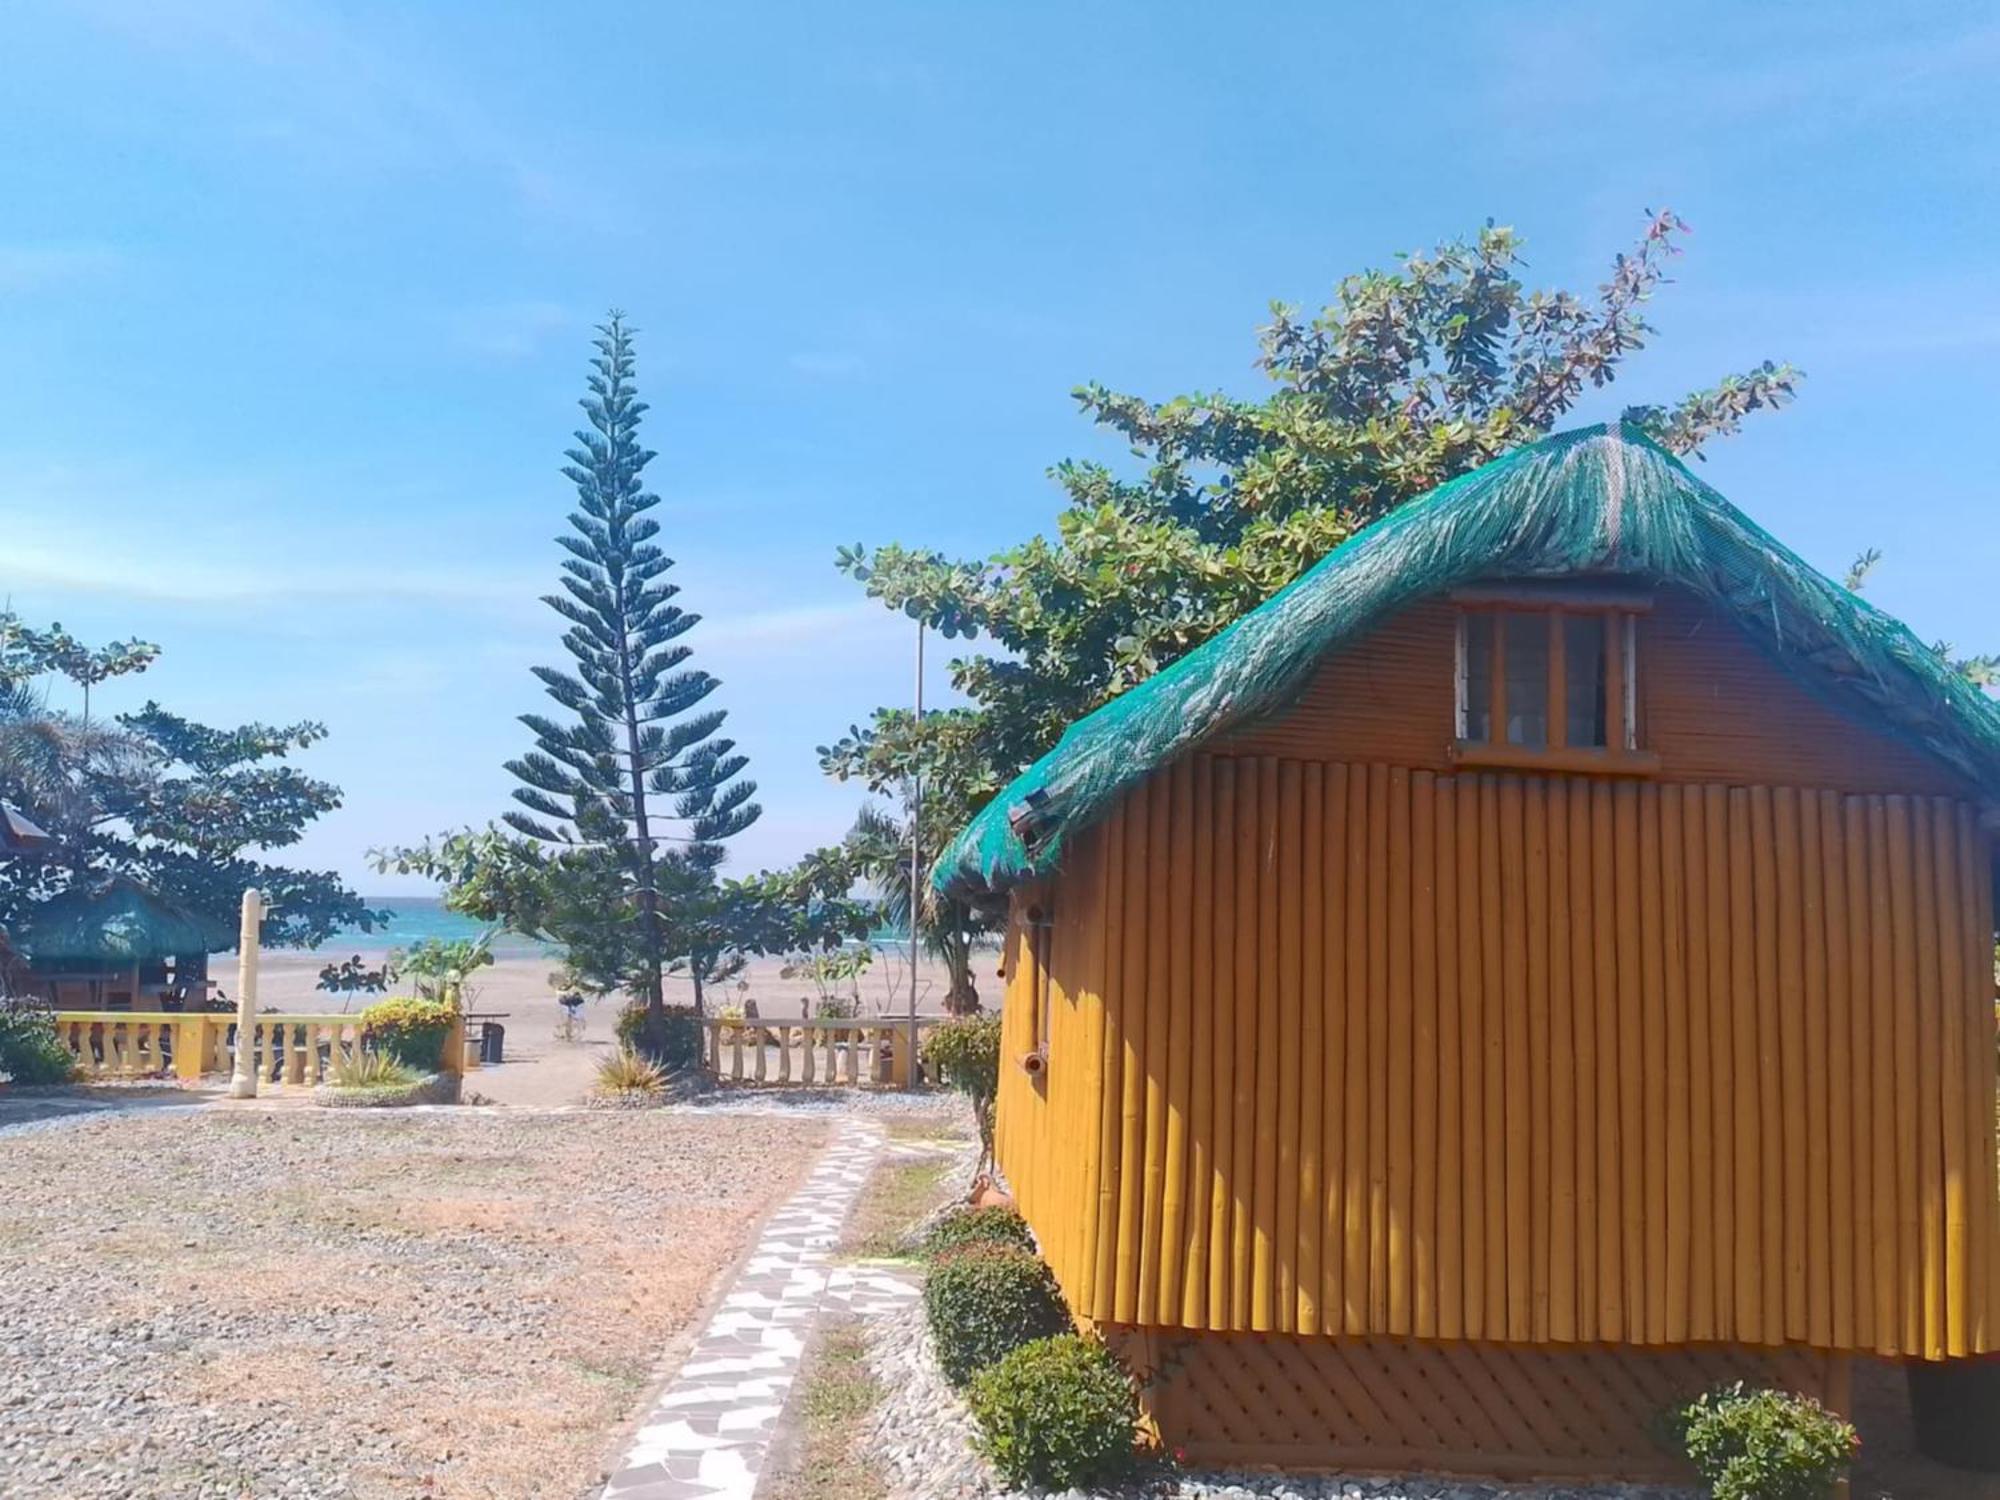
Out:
{"x": 649, "y": 895}
{"x": 962, "y": 995}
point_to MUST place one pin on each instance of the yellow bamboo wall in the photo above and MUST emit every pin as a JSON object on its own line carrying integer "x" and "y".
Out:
{"x": 1361, "y": 1050}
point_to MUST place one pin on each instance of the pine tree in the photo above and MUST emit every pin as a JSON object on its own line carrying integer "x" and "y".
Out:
{"x": 639, "y": 754}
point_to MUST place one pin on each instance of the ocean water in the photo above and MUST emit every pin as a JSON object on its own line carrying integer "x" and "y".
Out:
{"x": 414, "y": 918}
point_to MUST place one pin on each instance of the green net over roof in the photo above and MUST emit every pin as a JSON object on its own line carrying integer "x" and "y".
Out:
{"x": 1603, "y": 500}
{"x": 115, "y": 922}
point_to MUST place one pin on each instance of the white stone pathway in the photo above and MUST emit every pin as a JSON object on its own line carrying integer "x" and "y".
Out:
{"x": 710, "y": 1432}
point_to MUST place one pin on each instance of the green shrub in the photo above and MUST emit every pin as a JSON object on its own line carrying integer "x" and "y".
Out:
{"x": 627, "y": 1074}
{"x": 964, "y": 1053}
{"x": 682, "y": 1041}
{"x": 411, "y": 1031}
{"x": 30, "y": 1050}
{"x": 1750, "y": 1444}
{"x": 985, "y": 1301}
{"x": 993, "y": 1225}
{"x": 1060, "y": 1413}
{"x": 372, "y": 1070}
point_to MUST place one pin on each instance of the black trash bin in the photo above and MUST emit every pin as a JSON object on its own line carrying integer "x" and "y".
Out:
{"x": 1955, "y": 1404}
{"x": 492, "y": 1036}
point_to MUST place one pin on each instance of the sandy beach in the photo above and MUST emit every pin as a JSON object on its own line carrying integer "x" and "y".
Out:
{"x": 540, "y": 1068}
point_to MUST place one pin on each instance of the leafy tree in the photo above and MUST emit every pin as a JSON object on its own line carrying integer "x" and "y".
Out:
{"x": 879, "y": 844}
{"x": 582, "y": 898}
{"x": 1981, "y": 671}
{"x": 1407, "y": 378}
{"x": 181, "y": 807}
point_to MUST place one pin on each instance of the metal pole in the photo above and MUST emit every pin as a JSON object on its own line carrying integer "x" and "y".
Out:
{"x": 916, "y": 853}
{"x": 243, "y": 1079}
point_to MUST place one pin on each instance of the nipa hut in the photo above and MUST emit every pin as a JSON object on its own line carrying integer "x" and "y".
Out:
{"x": 111, "y": 943}
{"x": 1537, "y": 965}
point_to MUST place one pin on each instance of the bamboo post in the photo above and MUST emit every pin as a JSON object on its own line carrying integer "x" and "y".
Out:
{"x": 243, "y": 1082}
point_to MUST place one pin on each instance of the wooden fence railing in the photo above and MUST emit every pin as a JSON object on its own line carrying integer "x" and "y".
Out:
{"x": 292, "y": 1049}
{"x": 870, "y": 1052}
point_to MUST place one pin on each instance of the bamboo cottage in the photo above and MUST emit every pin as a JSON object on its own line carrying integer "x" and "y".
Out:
{"x": 1536, "y": 965}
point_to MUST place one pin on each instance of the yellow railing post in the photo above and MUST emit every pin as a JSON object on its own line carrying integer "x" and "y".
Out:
{"x": 453, "y": 1061}
{"x": 190, "y": 1048}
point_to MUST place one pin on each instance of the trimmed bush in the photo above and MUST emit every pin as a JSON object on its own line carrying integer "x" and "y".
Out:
{"x": 1060, "y": 1413}
{"x": 30, "y": 1051}
{"x": 409, "y": 1030}
{"x": 965, "y": 1054}
{"x": 1750, "y": 1444}
{"x": 993, "y": 1225}
{"x": 683, "y": 1035}
{"x": 985, "y": 1301}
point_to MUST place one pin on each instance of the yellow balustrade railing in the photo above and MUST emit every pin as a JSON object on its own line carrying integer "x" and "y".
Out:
{"x": 301, "y": 1049}
{"x": 827, "y": 1053}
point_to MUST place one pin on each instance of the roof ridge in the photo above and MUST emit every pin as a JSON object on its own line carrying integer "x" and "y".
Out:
{"x": 1604, "y": 496}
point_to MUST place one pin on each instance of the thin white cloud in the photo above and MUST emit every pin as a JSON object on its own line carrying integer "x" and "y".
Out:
{"x": 31, "y": 267}
{"x": 816, "y": 623}
{"x": 304, "y": 79}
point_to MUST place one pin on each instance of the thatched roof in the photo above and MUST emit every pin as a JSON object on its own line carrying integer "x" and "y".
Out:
{"x": 115, "y": 922}
{"x": 1601, "y": 500}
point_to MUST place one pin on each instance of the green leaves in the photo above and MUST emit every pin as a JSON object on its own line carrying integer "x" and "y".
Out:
{"x": 180, "y": 806}
{"x": 1407, "y": 378}
{"x": 1750, "y": 1444}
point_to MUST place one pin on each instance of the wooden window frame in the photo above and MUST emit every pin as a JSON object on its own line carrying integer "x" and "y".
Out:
{"x": 1619, "y": 609}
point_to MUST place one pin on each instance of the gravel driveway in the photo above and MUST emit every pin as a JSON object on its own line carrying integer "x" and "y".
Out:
{"x": 436, "y": 1304}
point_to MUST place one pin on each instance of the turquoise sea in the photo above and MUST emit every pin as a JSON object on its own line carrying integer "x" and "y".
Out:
{"x": 414, "y": 918}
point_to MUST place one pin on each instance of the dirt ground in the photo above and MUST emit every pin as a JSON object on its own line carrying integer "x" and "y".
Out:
{"x": 277, "y": 1303}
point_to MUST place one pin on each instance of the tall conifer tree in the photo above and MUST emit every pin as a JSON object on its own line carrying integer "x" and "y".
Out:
{"x": 637, "y": 771}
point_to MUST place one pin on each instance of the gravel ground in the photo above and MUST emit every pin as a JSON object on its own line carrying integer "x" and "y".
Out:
{"x": 946, "y": 1107}
{"x": 437, "y": 1303}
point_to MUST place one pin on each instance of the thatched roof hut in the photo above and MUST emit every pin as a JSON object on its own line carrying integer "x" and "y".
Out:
{"x": 115, "y": 923}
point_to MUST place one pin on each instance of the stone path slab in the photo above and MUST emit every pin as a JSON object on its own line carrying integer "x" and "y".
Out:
{"x": 710, "y": 1432}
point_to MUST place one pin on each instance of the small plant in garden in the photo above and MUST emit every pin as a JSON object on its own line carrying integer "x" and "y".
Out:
{"x": 682, "y": 1035}
{"x": 1751, "y": 1444}
{"x": 441, "y": 970}
{"x": 372, "y": 1070}
{"x": 629, "y": 1075}
{"x": 964, "y": 1054}
{"x": 411, "y": 1031}
{"x": 30, "y": 1050}
{"x": 835, "y": 975}
{"x": 991, "y": 1225}
{"x": 984, "y": 1301}
{"x": 1060, "y": 1413}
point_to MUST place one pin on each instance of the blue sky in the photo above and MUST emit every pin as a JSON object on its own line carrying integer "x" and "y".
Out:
{"x": 295, "y": 299}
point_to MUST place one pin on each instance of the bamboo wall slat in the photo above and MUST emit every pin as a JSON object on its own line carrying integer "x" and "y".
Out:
{"x": 1358, "y": 1050}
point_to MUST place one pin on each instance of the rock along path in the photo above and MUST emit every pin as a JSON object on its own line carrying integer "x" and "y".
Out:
{"x": 709, "y": 1434}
